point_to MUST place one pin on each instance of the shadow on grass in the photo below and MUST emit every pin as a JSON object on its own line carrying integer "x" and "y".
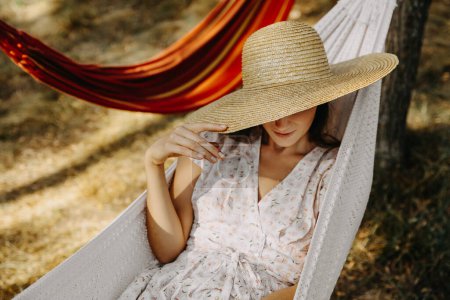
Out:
{"x": 105, "y": 151}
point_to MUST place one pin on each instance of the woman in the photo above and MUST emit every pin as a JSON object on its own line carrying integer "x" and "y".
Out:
{"x": 238, "y": 225}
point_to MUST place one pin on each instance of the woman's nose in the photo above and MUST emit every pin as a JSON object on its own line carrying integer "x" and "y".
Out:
{"x": 281, "y": 122}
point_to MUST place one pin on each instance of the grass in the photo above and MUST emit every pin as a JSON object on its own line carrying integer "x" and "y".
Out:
{"x": 69, "y": 167}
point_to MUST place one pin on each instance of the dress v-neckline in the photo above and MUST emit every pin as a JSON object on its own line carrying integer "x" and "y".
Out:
{"x": 279, "y": 184}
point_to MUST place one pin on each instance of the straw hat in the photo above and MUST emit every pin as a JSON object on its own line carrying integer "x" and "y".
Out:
{"x": 285, "y": 70}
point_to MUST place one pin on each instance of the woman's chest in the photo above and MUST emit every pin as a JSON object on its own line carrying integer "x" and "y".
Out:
{"x": 273, "y": 171}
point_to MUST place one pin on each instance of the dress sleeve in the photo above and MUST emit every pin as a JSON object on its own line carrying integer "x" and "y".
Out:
{"x": 324, "y": 183}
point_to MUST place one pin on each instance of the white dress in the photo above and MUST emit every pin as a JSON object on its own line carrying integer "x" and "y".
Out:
{"x": 240, "y": 248}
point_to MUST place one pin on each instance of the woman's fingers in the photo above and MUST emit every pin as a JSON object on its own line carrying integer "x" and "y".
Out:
{"x": 201, "y": 144}
{"x": 197, "y": 127}
{"x": 184, "y": 140}
{"x": 178, "y": 150}
{"x": 192, "y": 145}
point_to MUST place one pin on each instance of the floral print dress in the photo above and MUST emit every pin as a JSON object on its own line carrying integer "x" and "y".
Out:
{"x": 240, "y": 248}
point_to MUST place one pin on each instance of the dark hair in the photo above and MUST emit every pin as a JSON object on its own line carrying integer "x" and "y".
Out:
{"x": 316, "y": 132}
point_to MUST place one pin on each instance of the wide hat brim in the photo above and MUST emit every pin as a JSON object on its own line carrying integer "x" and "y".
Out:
{"x": 248, "y": 107}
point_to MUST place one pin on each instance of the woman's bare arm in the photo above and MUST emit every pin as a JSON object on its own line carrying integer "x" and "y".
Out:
{"x": 287, "y": 293}
{"x": 169, "y": 210}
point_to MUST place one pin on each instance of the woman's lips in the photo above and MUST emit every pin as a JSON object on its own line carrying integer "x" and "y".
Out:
{"x": 283, "y": 134}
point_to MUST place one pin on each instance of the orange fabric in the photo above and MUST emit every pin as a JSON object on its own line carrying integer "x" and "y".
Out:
{"x": 199, "y": 68}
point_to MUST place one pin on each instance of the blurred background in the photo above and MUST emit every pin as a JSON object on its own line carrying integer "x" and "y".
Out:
{"x": 69, "y": 167}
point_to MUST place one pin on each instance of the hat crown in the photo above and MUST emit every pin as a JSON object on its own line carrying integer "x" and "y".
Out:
{"x": 283, "y": 52}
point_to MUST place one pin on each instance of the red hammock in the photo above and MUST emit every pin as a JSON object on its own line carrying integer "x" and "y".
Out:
{"x": 197, "y": 69}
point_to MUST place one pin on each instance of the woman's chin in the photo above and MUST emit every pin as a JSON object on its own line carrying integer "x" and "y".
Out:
{"x": 284, "y": 141}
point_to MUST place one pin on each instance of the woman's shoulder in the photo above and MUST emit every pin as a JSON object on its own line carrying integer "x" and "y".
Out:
{"x": 332, "y": 152}
{"x": 329, "y": 154}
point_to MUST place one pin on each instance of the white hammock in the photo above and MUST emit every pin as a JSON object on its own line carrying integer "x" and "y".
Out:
{"x": 105, "y": 266}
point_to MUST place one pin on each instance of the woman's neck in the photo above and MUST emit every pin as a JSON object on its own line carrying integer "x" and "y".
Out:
{"x": 301, "y": 147}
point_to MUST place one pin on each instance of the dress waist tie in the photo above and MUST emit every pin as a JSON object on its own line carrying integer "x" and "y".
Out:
{"x": 238, "y": 258}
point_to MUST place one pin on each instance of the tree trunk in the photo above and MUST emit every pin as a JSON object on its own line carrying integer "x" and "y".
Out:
{"x": 405, "y": 40}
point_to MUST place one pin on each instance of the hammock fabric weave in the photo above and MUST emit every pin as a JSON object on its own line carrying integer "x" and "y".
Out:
{"x": 199, "y": 68}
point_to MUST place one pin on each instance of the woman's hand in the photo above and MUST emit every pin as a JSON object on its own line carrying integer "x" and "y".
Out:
{"x": 184, "y": 140}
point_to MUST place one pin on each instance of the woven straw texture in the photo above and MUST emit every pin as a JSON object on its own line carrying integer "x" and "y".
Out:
{"x": 105, "y": 266}
{"x": 285, "y": 70}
